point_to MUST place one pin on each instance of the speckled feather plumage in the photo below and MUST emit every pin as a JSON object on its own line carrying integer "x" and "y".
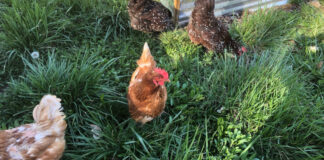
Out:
{"x": 205, "y": 29}
{"x": 149, "y": 16}
{"x": 42, "y": 140}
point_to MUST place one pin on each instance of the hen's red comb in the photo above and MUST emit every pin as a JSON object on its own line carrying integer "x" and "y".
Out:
{"x": 162, "y": 72}
{"x": 244, "y": 49}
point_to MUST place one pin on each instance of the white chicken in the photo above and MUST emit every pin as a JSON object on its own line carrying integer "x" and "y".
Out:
{"x": 42, "y": 140}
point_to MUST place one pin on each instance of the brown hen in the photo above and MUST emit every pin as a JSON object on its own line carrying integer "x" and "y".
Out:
{"x": 205, "y": 29}
{"x": 149, "y": 16}
{"x": 42, "y": 140}
{"x": 146, "y": 92}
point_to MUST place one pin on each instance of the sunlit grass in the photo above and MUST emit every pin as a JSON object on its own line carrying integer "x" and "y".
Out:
{"x": 265, "y": 29}
{"x": 266, "y": 104}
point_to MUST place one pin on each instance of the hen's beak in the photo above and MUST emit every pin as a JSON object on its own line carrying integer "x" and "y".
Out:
{"x": 168, "y": 80}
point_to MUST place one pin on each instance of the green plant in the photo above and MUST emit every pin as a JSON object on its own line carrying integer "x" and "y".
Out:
{"x": 311, "y": 22}
{"x": 165, "y": 139}
{"x": 29, "y": 26}
{"x": 95, "y": 18}
{"x": 233, "y": 144}
{"x": 263, "y": 93}
{"x": 264, "y": 29}
{"x": 178, "y": 45}
{"x": 75, "y": 82}
{"x": 309, "y": 46}
{"x": 298, "y": 2}
{"x": 289, "y": 115}
{"x": 293, "y": 132}
{"x": 268, "y": 105}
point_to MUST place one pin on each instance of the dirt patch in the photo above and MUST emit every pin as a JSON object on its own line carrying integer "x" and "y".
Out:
{"x": 317, "y": 4}
{"x": 228, "y": 19}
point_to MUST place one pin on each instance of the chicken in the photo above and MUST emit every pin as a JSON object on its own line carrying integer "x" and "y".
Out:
{"x": 42, "y": 140}
{"x": 149, "y": 16}
{"x": 205, "y": 29}
{"x": 146, "y": 92}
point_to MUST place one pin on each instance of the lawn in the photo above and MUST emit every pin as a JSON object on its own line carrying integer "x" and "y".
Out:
{"x": 265, "y": 104}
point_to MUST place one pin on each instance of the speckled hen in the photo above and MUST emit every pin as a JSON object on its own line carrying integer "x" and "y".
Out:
{"x": 149, "y": 16}
{"x": 42, "y": 140}
{"x": 205, "y": 29}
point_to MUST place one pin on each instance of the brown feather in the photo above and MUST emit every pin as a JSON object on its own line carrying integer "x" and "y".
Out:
{"x": 146, "y": 57}
{"x": 145, "y": 99}
{"x": 149, "y": 16}
{"x": 205, "y": 29}
{"x": 42, "y": 140}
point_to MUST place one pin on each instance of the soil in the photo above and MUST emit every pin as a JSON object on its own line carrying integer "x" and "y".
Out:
{"x": 228, "y": 19}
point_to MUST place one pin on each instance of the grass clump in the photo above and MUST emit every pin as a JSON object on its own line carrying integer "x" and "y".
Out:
{"x": 262, "y": 106}
{"x": 265, "y": 29}
{"x": 309, "y": 46}
{"x": 31, "y": 25}
{"x": 293, "y": 132}
{"x": 276, "y": 107}
{"x": 268, "y": 86}
{"x": 95, "y": 18}
{"x": 80, "y": 80}
{"x": 178, "y": 45}
{"x": 311, "y": 21}
{"x": 272, "y": 102}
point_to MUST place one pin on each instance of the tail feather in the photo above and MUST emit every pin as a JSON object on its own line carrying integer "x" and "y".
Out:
{"x": 209, "y": 4}
{"x": 48, "y": 109}
{"x": 146, "y": 59}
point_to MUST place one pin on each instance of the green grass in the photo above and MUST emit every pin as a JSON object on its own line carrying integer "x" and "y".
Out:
{"x": 265, "y": 29}
{"x": 29, "y": 26}
{"x": 311, "y": 21}
{"x": 309, "y": 47}
{"x": 75, "y": 81}
{"x": 266, "y": 104}
{"x": 298, "y": 2}
{"x": 94, "y": 19}
{"x": 177, "y": 45}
